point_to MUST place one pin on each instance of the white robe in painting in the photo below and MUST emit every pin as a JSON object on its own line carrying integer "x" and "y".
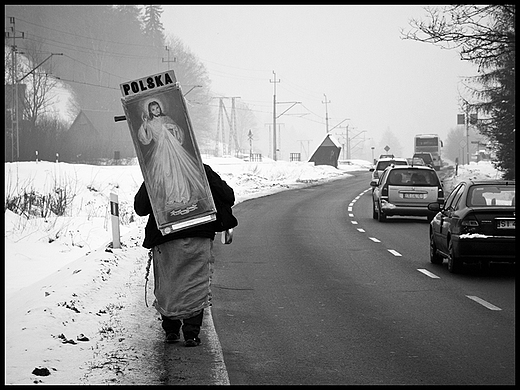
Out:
{"x": 175, "y": 177}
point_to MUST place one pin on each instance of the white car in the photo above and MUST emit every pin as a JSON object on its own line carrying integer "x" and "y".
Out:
{"x": 406, "y": 191}
{"x": 383, "y": 163}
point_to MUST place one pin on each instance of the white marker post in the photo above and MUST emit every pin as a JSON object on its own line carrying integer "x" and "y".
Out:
{"x": 114, "y": 211}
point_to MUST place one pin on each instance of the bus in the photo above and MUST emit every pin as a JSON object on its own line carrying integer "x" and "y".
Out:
{"x": 429, "y": 143}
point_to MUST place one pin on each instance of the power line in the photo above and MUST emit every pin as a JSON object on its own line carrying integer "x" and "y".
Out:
{"x": 84, "y": 37}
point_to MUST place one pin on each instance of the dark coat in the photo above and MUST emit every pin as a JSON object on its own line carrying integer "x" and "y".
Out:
{"x": 220, "y": 191}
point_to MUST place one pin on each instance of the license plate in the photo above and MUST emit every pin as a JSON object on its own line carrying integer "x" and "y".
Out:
{"x": 505, "y": 224}
{"x": 407, "y": 195}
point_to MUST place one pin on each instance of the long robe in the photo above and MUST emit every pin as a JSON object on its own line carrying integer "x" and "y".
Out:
{"x": 175, "y": 177}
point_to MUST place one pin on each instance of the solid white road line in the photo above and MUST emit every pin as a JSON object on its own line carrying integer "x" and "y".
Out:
{"x": 220, "y": 375}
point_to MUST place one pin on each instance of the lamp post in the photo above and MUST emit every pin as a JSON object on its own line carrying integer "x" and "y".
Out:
{"x": 373, "y": 161}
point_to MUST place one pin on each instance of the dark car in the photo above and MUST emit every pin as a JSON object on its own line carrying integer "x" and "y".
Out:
{"x": 406, "y": 191}
{"x": 475, "y": 224}
{"x": 426, "y": 157}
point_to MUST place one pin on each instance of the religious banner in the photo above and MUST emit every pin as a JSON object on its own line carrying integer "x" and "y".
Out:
{"x": 167, "y": 152}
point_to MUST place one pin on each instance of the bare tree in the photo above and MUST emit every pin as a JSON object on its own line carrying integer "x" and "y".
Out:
{"x": 484, "y": 35}
{"x": 41, "y": 86}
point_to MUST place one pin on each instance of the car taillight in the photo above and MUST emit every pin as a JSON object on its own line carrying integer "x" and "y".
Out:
{"x": 440, "y": 193}
{"x": 384, "y": 190}
{"x": 470, "y": 225}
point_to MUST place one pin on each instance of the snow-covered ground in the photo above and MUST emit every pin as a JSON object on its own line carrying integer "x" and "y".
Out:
{"x": 63, "y": 285}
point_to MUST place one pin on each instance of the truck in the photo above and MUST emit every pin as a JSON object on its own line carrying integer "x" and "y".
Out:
{"x": 429, "y": 143}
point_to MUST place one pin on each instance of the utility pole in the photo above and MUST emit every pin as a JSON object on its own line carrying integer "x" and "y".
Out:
{"x": 346, "y": 144}
{"x": 168, "y": 61}
{"x": 220, "y": 126}
{"x": 303, "y": 147}
{"x": 250, "y": 137}
{"x": 467, "y": 133}
{"x": 326, "y": 114}
{"x": 274, "y": 114}
{"x": 15, "y": 115}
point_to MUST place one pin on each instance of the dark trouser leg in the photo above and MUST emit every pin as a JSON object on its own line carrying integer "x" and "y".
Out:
{"x": 191, "y": 326}
{"x": 171, "y": 326}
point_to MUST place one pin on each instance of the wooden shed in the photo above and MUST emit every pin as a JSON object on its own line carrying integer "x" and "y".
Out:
{"x": 327, "y": 152}
{"x": 94, "y": 135}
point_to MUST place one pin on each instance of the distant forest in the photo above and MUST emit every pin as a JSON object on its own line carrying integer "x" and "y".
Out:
{"x": 93, "y": 50}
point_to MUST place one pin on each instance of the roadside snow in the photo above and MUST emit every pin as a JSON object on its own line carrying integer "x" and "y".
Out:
{"x": 64, "y": 287}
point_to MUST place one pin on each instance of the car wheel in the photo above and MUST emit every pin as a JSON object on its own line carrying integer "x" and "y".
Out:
{"x": 454, "y": 263}
{"x": 381, "y": 217}
{"x": 374, "y": 210}
{"x": 435, "y": 258}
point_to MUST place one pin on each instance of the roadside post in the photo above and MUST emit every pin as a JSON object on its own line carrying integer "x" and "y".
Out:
{"x": 114, "y": 211}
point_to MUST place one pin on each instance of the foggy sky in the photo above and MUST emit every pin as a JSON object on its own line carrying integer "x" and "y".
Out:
{"x": 353, "y": 55}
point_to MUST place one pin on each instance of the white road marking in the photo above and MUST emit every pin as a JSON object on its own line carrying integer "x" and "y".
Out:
{"x": 374, "y": 239}
{"x": 349, "y": 208}
{"x": 354, "y": 222}
{"x": 427, "y": 273}
{"x": 361, "y": 230}
{"x": 219, "y": 370}
{"x": 395, "y": 253}
{"x": 483, "y": 302}
{"x": 351, "y": 215}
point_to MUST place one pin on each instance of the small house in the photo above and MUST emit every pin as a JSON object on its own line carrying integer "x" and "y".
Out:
{"x": 94, "y": 136}
{"x": 327, "y": 152}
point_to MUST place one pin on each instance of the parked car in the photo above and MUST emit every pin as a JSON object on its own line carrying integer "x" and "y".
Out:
{"x": 415, "y": 161}
{"x": 407, "y": 191}
{"x": 382, "y": 163}
{"x": 426, "y": 157}
{"x": 475, "y": 224}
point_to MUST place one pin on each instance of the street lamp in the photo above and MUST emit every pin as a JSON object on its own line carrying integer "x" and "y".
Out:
{"x": 373, "y": 161}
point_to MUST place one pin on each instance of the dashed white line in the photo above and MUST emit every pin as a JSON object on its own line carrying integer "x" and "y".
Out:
{"x": 428, "y": 273}
{"x": 394, "y": 252}
{"x": 483, "y": 302}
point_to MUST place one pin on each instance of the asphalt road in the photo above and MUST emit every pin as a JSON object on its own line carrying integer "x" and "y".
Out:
{"x": 314, "y": 291}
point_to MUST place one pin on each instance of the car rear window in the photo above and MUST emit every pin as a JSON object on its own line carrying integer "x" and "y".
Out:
{"x": 427, "y": 158}
{"x": 495, "y": 195}
{"x": 381, "y": 165}
{"x": 414, "y": 177}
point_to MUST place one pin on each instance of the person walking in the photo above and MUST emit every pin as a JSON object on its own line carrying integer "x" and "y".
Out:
{"x": 183, "y": 264}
